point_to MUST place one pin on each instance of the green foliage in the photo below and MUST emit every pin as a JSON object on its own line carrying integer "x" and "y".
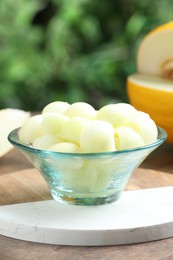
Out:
{"x": 72, "y": 50}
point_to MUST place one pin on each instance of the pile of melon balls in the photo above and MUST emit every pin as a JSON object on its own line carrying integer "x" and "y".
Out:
{"x": 79, "y": 128}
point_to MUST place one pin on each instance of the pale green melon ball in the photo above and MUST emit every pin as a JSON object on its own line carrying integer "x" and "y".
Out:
{"x": 115, "y": 114}
{"x": 97, "y": 136}
{"x": 65, "y": 147}
{"x": 53, "y": 122}
{"x": 72, "y": 129}
{"x": 143, "y": 124}
{"x": 56, "y": 107}
{"x": 31, "y": 129}
{"x": 80, "y": 109}
{"x": 126, "y": 138}
{"x": 45, "y": 141}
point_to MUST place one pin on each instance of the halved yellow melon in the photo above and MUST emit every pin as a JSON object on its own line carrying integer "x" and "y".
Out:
{"x": 9, "y": 120}
{"x": 153, "y": 95}
{"x": 155, "y": 53}
{"x": 151, "y": 89}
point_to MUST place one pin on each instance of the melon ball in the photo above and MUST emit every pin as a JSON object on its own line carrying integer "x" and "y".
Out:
{"x": 115, "y": 114}
{"x": 45, "y": 141}
{"x": 80, "y": 109}
{"x": 31, "y": 129}
{"x": 56, "y": 107}
{"x": 72, "y": 129}
{"x": 65, "y": 147}
{"x": 142, "y": 123}
{"x": 97, "y": 136}
{"x": 53, "y": 122}
{"x": 126, "y": 138}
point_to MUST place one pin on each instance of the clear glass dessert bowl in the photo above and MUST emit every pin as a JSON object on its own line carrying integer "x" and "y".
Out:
{"x": 90, "y": 178}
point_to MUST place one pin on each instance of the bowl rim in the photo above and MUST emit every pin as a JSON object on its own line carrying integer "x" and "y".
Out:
{"x": 162, "y": 136}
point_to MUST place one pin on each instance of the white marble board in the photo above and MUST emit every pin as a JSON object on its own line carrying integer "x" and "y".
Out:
{"x": 138, "y": 216}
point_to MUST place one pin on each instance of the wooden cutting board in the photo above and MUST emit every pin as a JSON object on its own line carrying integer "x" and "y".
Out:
{"x": 28, "y": 185}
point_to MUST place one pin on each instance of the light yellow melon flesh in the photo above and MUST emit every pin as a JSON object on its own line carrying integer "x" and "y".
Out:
{"x": 10, "y": 119}
{"x": 150, "y": 81}
{"x": 155, "y": 54}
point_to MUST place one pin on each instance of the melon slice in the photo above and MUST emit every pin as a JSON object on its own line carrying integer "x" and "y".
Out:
{"x": 153, "y": 95}
{"x": 151, "y": 89}
{"x": 155, "y": 53}
{"x": 10, "y": 119}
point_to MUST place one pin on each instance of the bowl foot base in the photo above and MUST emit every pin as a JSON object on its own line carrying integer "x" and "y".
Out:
{"x": 84, "y": 201}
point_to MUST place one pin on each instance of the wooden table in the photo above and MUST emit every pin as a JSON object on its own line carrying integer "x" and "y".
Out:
{"x": 160, "y": 173}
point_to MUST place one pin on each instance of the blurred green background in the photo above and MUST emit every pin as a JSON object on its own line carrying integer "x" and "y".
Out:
{"x": 72, "y": 50}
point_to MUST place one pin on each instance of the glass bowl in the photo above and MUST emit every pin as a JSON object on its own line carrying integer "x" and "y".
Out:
{"x": 90, "y": 178}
